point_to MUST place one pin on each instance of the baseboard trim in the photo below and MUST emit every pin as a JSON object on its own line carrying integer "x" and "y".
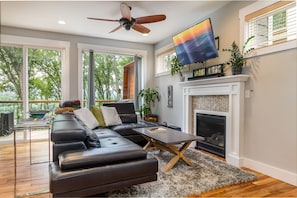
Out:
{"x": 234, "y": 160}
{"x": 271, "y": 171}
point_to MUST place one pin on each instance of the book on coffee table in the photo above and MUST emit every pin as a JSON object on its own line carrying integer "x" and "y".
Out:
{"x": 156, "y": 130}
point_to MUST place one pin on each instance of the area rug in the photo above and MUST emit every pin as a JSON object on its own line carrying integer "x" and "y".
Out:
{"x": 206, "y": 173}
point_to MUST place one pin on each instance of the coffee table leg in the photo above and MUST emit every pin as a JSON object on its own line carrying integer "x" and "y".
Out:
{"x": 149, "y": 143}
{"x": 179, "y": 153}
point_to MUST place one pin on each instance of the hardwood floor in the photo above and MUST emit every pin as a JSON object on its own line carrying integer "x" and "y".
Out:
{"x": 34, "y": 178}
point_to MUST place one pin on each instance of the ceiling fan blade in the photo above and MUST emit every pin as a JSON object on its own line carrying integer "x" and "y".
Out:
{"x": 115, "y": 29}
{"x": 141, "y": 29}
{"x": 99, "y": 19}
{"x": 126, "y": 11}
{"x": 150, "y": 19}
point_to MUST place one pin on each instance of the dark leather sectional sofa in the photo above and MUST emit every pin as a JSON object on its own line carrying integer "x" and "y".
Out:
{"x": 89, "y": 162}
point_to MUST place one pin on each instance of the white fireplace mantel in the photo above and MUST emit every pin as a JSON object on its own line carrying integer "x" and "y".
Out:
{"x": 234, "y": 88}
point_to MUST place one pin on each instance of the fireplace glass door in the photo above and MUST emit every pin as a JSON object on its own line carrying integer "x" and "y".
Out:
{"x": 213, "y": 129}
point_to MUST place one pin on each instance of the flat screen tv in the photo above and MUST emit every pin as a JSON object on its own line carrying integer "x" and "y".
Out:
{"x": 195, "y": 44}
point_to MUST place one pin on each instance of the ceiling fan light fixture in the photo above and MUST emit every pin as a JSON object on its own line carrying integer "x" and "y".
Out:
{"x": 61, "y": 22}
{"x": 129, "y": 22}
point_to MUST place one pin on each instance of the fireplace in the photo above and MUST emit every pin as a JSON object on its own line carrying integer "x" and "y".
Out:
{"x": 213, "y": 129}
{"x": 233, "y": 89}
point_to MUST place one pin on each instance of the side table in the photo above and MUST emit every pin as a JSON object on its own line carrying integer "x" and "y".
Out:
{"x": 31, "y": 124}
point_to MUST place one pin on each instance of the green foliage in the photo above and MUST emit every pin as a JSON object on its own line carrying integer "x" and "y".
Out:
{"x": 149, "y": 97}
{"x": 108, "y": 75}
{"x": 238, "y": 57}
{"x": 175, "y": 67}
{"x": 44, "y": 73}
{"x": 11, "y": 64}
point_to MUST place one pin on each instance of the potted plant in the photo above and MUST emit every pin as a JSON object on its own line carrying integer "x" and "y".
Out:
{"x": 238, "y": 57}
{"x": 176, "y": 68}
{"x": 149, "y": 97}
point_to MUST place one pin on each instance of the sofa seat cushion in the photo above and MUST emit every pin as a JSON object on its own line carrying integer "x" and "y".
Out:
{"x": 126, "y": 129}
{"x": 67, "y": 181}
{"x": 110, "y": 142}
{"x": 68, "y": 130}
{"x": 105, "y": 132}
{"x": 100, "y": 156}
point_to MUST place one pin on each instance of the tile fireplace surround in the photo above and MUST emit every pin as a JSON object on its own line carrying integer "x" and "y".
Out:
{"x": 218, "y": 96}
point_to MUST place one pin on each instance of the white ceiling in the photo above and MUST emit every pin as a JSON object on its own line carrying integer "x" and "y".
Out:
{"x": 43, "y": 15}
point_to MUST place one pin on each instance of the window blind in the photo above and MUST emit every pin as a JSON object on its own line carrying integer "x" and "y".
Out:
{"x": 273, "y": 25}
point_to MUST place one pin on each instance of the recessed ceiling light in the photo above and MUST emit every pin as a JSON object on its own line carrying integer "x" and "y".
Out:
{"x": 61, "y": 22}
{"x": 145, "y": 34}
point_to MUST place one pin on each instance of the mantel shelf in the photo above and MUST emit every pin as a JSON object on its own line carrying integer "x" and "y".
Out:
{"x": 216, "y": 80}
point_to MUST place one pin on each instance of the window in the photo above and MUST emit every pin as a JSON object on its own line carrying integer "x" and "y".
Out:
{"x": 109, "y": 76}
{"x": 32, "y": 71}
{"x": 139, "y": 58}
{"x": 271, "y": 24}
{"x": 42, "y": 72}
{"x": 163, "y": 60}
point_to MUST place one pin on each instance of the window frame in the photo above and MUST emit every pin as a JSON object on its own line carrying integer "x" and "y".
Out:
{"x": 163, "y": 51}
{"x": 29, "y": 42}
{"x": 243, "y": 29}
{"x": 107, "y": 50}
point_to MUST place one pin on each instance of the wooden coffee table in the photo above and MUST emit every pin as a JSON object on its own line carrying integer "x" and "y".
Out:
{"x": 168, "y": 139}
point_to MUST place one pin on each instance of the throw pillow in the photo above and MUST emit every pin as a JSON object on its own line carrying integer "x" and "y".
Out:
{"x": 111, "y": 116}
{"x": 98, "y": 115}
{"x": 86, "y": 116}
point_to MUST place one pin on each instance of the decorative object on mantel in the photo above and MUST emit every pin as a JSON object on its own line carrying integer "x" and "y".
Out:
{"x": 238, "y": 57}
{"x": 212, "y": 71}
{"x": 150, "y": 96}
{"x": 176, "y": 68}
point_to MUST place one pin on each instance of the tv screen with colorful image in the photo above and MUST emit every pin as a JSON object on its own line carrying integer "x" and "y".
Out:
{"x": 195, "y": 44}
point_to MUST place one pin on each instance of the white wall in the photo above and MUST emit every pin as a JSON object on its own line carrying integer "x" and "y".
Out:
{"x": 270, "y": 113}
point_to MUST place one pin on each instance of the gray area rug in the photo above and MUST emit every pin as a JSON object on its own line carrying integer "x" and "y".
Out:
{"x": 206, "y": 173}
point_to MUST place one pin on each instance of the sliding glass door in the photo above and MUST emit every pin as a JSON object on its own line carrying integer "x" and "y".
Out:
{"x": 113, "y": 76}
{"x": 30, "y": 79}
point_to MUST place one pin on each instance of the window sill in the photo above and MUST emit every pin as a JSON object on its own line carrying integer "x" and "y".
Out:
{"x": 276, "y": 48}
{"x": 162, "y": 74}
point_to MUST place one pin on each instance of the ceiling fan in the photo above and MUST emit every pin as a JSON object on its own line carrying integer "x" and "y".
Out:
{"x": 129, "y": 22}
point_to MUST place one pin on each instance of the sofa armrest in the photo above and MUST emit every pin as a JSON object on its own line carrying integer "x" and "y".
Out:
{"x": 67, "y": 146}
{"x": 69, "y": 130}
{"x": 100, "y": 156}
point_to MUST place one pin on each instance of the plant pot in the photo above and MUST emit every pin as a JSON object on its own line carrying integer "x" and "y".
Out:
{"x": 151, "y": 118}
{"x": 236, "y": 70}
{"x": 182, "y": 78}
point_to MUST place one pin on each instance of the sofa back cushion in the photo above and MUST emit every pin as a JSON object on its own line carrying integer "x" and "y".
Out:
{"x": 98, "y": 115}
{"x": 111, "y": 116}
{"x": 125, "y": 110}
{"x": 87, "y": 117}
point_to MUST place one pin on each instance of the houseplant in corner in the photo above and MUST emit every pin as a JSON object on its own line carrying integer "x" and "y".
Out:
{"x": 176, "y": 68}
{"x": 238, "y": 57}
{"x": 149, "y": 97}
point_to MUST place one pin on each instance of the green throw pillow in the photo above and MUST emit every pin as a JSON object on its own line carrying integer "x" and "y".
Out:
{"x": 98, "y": 115}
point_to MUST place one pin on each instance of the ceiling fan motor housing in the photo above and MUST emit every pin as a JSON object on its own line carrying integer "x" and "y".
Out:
{"x": 126, "y": 23}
